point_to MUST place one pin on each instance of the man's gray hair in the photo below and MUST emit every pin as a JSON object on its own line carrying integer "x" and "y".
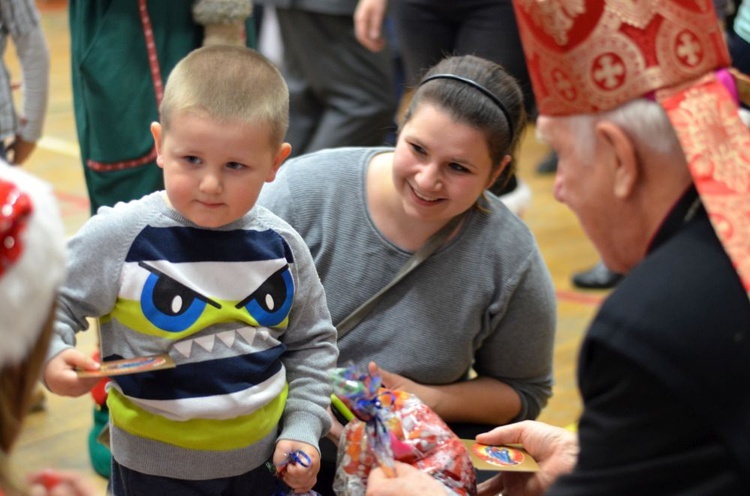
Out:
{"x": 645, "y": 121}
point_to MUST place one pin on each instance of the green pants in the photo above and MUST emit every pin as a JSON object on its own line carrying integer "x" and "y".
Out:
{"x": 122, "y": 52}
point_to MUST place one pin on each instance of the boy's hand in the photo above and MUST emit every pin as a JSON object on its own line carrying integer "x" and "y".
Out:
{"x": 297, "y": 476}
{"x": 61, "y": 377}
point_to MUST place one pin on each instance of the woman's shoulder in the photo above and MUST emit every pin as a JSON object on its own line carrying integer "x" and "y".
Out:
{"x": 318, "y": 177}
{"x": 500, "y": 225}
{"x": 337, "y": 160}
{"x": 261, "y": 218}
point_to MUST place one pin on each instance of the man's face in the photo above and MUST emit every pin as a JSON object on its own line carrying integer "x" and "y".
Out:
{"x": 583, "y": 181}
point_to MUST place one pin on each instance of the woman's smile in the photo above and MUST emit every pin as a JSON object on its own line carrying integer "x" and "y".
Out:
{"x": 424, "y": 197}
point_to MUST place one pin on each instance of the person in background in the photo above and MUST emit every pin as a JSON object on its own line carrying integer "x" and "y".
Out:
{"x": 121, "y": 54}
{"x": 32, "y": 268}
{"x": 20, "y": 131}
{"x": 482, "y": 303}
{"x": 226, "y": 289}
{"x": 739, "y": 38}
{"x": 597, "y": 277}
{"x": 653, "y": 162}
{"x": 341, "y": 94}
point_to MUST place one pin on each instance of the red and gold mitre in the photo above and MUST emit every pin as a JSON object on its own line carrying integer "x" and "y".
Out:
{"x": 585, "y": 56}
{"x": 588, "y": 56}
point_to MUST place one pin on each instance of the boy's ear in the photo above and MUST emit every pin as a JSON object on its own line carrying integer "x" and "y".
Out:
{"x": 156, "y": 130}
{"x": 284, "y": 150}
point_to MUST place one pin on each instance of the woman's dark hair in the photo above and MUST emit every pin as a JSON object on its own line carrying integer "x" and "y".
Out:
{"x": 469, "y": 103}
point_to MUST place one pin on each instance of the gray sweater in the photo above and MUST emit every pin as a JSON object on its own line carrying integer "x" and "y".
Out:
{"x": 241, "y": 311}
{"x": 484, "y": 300}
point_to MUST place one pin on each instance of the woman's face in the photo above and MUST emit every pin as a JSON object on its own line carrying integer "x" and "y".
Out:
{"x": 440, "y": 166}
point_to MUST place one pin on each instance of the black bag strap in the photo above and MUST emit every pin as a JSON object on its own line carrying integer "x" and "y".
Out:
{"x": 419, "y": 256}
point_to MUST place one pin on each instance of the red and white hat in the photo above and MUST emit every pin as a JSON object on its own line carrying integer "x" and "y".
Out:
{"x": 32, "y": 260}
{"x": 588, "y": 56}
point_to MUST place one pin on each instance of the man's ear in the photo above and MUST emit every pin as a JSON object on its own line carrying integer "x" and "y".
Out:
{"x": 284, "y": 150}
{"x": 496, "y": 173}
{"x": 626, "y": 168}
{"x": 156, "y": 130}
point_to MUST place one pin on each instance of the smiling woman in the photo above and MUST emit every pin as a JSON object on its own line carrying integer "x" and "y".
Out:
{"x": 483, "y": 301}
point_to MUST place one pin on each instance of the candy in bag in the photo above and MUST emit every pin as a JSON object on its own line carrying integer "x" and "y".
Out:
{"x": 394, "y": 425}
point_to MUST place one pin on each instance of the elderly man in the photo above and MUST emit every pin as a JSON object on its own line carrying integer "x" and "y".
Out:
{"x": 655, "y": 162}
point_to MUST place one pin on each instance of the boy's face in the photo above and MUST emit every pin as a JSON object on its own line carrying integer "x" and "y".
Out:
{"x": 213, "y": 170}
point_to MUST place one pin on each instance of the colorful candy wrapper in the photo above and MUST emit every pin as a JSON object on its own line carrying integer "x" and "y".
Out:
{"x": 394, "y": 425}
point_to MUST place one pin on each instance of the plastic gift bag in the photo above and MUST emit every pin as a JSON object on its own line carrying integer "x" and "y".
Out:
{"x": 394, "y": 425}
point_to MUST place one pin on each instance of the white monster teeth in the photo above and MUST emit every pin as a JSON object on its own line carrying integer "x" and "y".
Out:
{"x": 226, "y": 337}
{"x": 253, "y": 336}
{"x": 206, "y": 342}
{"x": 184, "y": 347}
{"x": 247, "y": 333}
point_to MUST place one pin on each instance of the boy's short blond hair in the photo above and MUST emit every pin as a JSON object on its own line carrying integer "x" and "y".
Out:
{"x": 228, "y": 83}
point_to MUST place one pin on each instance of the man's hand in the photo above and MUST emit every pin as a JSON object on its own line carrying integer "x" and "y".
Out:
{"x": 555, "y": 449}
{"x": 368, "y": 23}
{"x": 409, "y": 481}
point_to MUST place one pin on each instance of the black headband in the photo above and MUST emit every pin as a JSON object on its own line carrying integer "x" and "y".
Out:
{"x": 481, "y": 88}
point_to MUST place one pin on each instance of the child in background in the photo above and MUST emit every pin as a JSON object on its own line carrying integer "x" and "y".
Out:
{"x": 19, "y": 131}
{"x": 32, "y": 267}
{"x": 227, "y": 289}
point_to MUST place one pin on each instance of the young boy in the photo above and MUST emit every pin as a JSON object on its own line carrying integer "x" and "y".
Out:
{"x": 229, "y": 291}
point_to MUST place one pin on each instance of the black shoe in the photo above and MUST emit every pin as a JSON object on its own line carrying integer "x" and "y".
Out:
{"x": 548, "y": 165}
{"x": 598, "y": 277}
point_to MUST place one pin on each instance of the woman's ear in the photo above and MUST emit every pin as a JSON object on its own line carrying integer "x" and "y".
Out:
{"x": 499, "y": 170}
{"x": 156, "y": 131}
{"x": 625, "y": 158}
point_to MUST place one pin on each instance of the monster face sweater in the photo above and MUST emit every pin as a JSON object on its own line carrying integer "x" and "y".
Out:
{"x": 241, "y": 311}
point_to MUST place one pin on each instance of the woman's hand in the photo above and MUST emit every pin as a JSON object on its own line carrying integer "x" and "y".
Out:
{"x": 397, "y": 382}
{"x": 337, "y": 428}
{"x": 555, "y": 450}
{"x": 482, "y": 400}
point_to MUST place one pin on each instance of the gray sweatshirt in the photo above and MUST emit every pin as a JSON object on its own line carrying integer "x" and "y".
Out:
{"x": 485, "y": 300}
{"x": 241, "y": 311}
